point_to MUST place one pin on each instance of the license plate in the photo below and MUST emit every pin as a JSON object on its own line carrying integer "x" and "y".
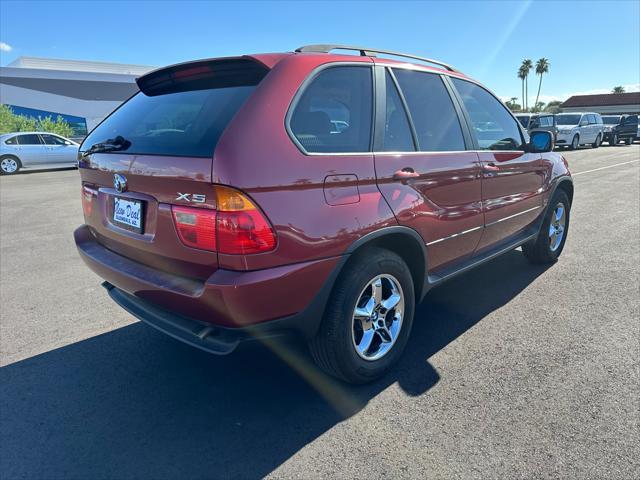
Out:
{"x": 128, "y": 213}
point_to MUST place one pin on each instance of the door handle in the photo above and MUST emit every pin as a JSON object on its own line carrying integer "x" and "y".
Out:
{"x": 405, "y": 174}
{"x": 490, "y": 167}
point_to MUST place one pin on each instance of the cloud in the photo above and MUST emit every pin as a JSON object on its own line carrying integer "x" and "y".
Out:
{"x": 5, "y": 47}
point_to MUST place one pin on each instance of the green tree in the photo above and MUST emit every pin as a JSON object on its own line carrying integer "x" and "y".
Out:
{"x": 539, "y": 107}
{"x": 542, "y": 67}
{"x": 553, "y": 106}
{"x": 10, "y": 122}
{"x": 526, "y": 67}
{"x": 618, "y": 89}
{"x": 59, "y": 126}
{"x": 513, "y": 105}
{"x": 522, "y": 75}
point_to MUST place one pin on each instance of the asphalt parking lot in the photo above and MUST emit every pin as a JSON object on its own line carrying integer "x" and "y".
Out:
{"x": 512, "y": 371}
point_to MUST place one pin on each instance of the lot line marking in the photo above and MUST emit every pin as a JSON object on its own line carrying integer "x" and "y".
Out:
{"x": 602, "y": 168}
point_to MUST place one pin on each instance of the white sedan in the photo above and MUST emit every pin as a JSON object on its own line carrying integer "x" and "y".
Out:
{"x": 36, "y": 151}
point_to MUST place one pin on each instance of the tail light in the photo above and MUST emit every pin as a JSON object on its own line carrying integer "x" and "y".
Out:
{"x": 242, "y": 228}
{"x": 87, "y": 200}
{"x": 236, "y": 227}
{"x": 196, "y": 227}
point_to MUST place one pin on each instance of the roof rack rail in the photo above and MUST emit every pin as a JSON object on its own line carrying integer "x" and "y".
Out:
{"x": 369, "y": 52}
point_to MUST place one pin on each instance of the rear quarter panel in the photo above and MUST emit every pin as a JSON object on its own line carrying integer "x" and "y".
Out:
{"x": 257, "y": 155}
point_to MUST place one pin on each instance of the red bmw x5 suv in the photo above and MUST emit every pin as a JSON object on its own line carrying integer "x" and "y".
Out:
{"x": 313, "y": 192}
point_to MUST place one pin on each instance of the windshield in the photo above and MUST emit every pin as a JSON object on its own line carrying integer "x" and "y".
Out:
{"x": 566, "y": 119}
{"x": 524, "y": 120}
{"x": 182, "y": 124}
{"x": 611, "y": 120}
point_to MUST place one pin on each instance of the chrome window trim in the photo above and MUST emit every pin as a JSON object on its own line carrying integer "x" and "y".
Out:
{"x": 303, "y": 87}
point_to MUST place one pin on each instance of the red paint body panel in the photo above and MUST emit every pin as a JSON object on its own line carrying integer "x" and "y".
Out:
{"x": 444, "y": 200}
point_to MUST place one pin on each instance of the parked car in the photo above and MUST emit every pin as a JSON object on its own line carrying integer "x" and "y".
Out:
{"x": 620, "y": 128}
{"x": 36, "y": 151}
{"x": 524, "y": 118}
{"x": 575, "y": 129}
{"x": 543, "y": 122}
{"x": 252, "y": 216}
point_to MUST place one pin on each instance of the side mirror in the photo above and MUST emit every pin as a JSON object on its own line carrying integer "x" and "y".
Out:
{"x": 540, "y": 142}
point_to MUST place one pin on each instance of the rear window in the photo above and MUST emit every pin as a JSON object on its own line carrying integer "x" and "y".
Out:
{"x": 29, "y": 140}
{"x": 177, "y": 114}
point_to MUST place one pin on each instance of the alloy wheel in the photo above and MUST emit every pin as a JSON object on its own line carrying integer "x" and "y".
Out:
{"x": 377, "y": 317}
{"x": 9, "y": 165}
{"x": 557, "y": 227}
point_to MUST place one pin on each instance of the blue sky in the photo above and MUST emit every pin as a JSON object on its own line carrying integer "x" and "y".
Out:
{"x": 592, "y": 46}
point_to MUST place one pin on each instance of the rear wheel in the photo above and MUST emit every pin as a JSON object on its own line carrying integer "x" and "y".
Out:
{"x": 598, "y": 141}
{"x": 548, "y": 245}
{"x": 368, "y": 318}
{"x": 575, "y": 142}
{"x": 9, "y": 165}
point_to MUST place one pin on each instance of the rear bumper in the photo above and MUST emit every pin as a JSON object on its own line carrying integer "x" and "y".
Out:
{"x": 202, "y": 335}
{"x": 231, "y": 300}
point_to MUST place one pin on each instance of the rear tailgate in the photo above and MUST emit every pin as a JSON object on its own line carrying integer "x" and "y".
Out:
{"x": 156, "y": 182}
{"x": 156, "y": 150}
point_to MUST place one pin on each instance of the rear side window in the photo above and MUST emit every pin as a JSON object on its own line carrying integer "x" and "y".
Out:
{"x": 29, "y": 140}
{"x": 334, "y": 113}
{"x": 180, "y": 112}
{"x": 432, "y": 111}
{"x": 494, "y": 127}
{"x": 397, "y": 132}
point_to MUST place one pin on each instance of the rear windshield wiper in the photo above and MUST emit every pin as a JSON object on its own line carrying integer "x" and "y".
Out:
{"x": 111, "y": 145}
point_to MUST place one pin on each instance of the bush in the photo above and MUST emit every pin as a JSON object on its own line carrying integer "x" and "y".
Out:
{"x": 10, "y": 122}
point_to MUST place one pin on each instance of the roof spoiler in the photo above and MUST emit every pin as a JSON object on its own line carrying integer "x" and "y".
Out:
{"x": 203, "y": 74}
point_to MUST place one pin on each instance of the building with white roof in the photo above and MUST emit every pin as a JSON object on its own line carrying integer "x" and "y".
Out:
{"x": 82, "y": 92}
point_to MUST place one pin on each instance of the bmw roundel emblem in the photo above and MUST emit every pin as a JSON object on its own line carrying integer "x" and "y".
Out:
{"x": 120, "y": 183}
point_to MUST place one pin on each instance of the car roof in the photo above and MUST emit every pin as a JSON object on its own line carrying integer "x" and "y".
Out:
{"x": 32, "y": 133}
{"x": 324, "y": 52}
{"x": 577, "y": 113}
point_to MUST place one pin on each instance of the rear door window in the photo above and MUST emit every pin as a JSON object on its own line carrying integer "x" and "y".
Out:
{"x": 29, "y": 140}
{"x": 494, "y": 126}
{"x": 334, "y": 112}
{"x": 397, "y": 132}
{"x": 434, "y": 116}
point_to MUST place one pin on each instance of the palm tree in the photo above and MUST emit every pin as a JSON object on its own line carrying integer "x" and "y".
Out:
{"x": 522, "y": 74}
{"x": 526, "y": 67}
{"x": 542, "y": 67}
{"x": 618, "y": 89}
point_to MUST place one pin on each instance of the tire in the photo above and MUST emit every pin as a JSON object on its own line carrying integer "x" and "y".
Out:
{"x": 629, "y": 141}
{"x": 340, "y": 347}
{"x": 614, "y": 140}
{"x": 544, "y": 248}
{"x": 598, "y": 141}
{"x": 575, "y": 142}
{"x": 10, "y": 165}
